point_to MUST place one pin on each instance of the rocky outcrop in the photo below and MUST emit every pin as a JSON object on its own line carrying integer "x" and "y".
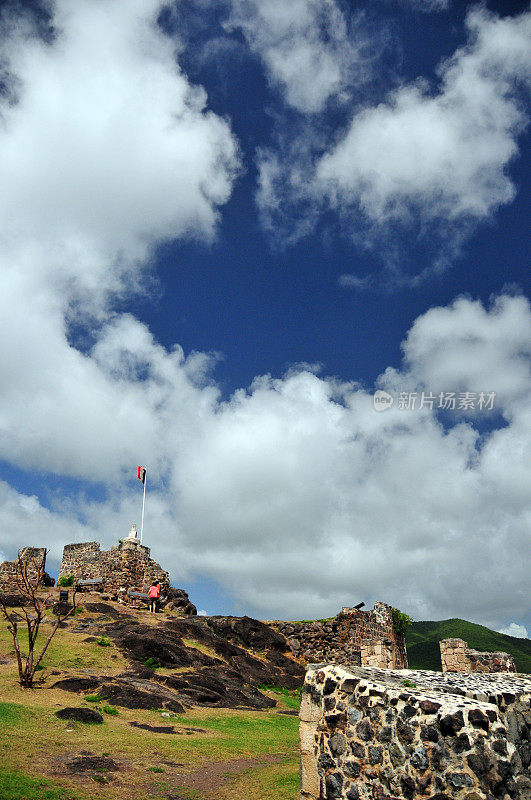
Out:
{"x": 406, "y": 734}
{"x": 219, "y": 673}
{"x": 178, "y": 600}
{"x": 86, "y": 715}
{"x": 365, "y": 638}
{"x": 456, "y": 656}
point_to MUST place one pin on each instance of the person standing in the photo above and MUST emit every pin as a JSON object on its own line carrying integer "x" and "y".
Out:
{"x": 154, "y": 593}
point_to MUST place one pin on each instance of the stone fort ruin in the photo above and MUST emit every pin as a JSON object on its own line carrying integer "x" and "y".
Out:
{"x": 456, "y": 656}
{"x": 363, "y": 638}
{"x": 35, "y": 560}
{"x": 127, "y": 566}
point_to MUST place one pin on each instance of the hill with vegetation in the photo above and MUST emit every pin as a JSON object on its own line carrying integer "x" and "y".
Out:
{"x": 422, "y": 642}
{"x": 133, "y": 706}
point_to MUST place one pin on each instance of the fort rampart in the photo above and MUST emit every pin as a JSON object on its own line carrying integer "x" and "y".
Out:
{"x": 373, "y": 734}
{"x": 126, "y": 566}
{"x": 456, "y": 656}
{"x": 366, "y": 638}
{"x": 34, "y": 558}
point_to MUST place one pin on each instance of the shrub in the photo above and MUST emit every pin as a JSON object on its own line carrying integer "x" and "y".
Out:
{"x": 400, "y": 621}
{"x": 66, "y": 580}
{"x": 110, "y": 710}
{"x": 152, "y": 663}
{"x": 93, "y": 698}
{"x": 410, "y": 684}
{"x": 104, "y": 641}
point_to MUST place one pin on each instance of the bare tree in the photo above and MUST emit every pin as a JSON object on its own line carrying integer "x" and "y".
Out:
{"x": 28, "y": 578}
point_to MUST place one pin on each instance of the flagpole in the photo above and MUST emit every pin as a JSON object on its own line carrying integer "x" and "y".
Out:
{"x": 143, "y": 504}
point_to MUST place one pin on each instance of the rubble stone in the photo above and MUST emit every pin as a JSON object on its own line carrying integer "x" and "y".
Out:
{"x": 364, "y": 638}
{"x": 456, "y": 656}
{"x": 452, "y": 737}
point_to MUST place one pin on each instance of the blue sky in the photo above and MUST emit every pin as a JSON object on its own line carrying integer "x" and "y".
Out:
{"x": 228, "y": 224}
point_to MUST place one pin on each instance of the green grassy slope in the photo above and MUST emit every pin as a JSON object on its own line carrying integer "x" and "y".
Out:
{"x": 422, "y": 642}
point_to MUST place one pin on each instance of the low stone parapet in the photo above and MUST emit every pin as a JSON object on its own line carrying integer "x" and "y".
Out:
{"x": 373, "y": 734}
{"x": 457, "y": 656}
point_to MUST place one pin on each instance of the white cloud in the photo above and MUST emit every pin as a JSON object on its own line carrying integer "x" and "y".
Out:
{"x": 442, "y": 155}
{"x": 310, "y": 50}
{"x": 107, "y": 150}
{"x": 124, "y": 151}
{"x": 430, "y": 160}
{"x": 518, "y": 631}
{"x": 466, "y": 347}
{"x": 295, "y": 495}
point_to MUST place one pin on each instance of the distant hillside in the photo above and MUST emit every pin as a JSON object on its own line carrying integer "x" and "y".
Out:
{"x": 422, "y": 642}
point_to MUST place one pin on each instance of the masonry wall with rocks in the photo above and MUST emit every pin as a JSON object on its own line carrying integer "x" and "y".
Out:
{"x": 456, "y": 656}
{"x": 126, "y": 566}
{"x": 34, "y": 557}
{"x": 365, "y": 735}
{"x": 356, "y": 637}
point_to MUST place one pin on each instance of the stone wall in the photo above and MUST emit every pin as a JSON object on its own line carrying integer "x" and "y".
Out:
{"x": 456, "y": 656}
{"x": 373, "y": 734}
{"x": 35, "y": 557}
{"x": 128, "y": 565}
{"x": 352, "y": 637}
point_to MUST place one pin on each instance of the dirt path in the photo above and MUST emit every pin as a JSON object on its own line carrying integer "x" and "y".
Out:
{"x": 208, "y": 779}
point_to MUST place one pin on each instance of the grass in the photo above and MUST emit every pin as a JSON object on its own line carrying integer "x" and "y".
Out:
{"x": 27, "y": 718}
{"x": 67, "y": 650}
{"x": 34, "y": 743}
{"x": 15, "y": 785}
{"x": 202, "y": 648}
{"x": 274, "y": 782}
{"x": 152, "y": 663}
{"x": 289, "y": 697}
{"x": 422, "y": 642}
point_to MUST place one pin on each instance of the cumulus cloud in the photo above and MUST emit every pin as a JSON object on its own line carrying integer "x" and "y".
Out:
{"x": 311, "y": 51}
{"x": 124, "y": 152}
{"x": 107, "y": 150}
{"x": 443, "y": 155}
{"x": 297, "y": 496}
{"x": 294, "y": 493}
{"x": 432, "y": 160}
{"x": 518, "y": 631}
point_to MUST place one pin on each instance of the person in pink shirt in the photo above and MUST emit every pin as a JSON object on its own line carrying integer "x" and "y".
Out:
{"x": 154, "y": 592}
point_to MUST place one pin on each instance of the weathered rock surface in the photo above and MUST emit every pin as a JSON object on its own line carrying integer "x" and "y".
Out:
{"x": 87, "y": 715}
{"x": 77, "y": 684}
{"x": 133, "y": 692}
{"x": 225, "y": 676}
{"x": 178, "y": 600}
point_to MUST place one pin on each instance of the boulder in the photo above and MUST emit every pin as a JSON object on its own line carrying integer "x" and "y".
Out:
{"x": 77, "y": 684}
{"x": 86, "y": 715}
{"x": 139, "y": 693}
